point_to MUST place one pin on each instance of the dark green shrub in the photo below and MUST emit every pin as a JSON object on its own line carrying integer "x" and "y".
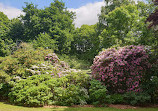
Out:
{"x": 135, "y": 98}
{"x": 5, "y": 89}
{"x": 151, "y": 87}
{"x": 6, "y": 47}
{"x": 116, "y": 98}
{"x": 4, "y": 85}
{"x": 98, "y": 93}
{"x": 154, "y": 94}
{"x": 150, "y": 83}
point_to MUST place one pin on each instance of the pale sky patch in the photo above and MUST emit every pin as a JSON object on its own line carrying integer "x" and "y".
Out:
{"x": 87, "y": 14}
{"x": 11, "y": 12}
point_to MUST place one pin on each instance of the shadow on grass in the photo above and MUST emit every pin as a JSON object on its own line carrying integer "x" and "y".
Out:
{"x": 102, "y": 109}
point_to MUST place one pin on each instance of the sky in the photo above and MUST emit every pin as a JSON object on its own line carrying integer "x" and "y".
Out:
{"x": 86, "y": 10}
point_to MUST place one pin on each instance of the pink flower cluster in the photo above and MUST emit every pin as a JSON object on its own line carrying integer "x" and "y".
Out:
{"x": 122, "y": 69}
{"x": 52, "y": 57}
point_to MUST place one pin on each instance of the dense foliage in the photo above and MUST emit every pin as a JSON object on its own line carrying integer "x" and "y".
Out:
{"x": 40, "y": 90}
{"x": 86, "y": 42}
{"x": 38, "y": 77}
{"x": 153, "y": 16}
{"x": 41, "y": 52}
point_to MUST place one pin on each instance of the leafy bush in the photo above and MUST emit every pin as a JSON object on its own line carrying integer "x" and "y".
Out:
{"x": 54, "y": 60}
{"x": 71, "y": 95}
{"x": 14, "y": 67}
{"x": 150, "y": 84}
{"x": 151, "y": 87}
{"x": 123, "y": 69}
{"x": 27, "y": 56}
{"x": 10, "y": 65}
{"x": 98, "y": 93}
{"x": 76, "y": 77}
{"x": 5, "y": 89}
{"x": 4, "y": 86}
{"x": 70, "y": 88}
{"x": 135, "y": 98}
{"x": 22, "y": 59}
{"x": 31, "y": 91}
{"x": 116, "y": 98}
{"x": 6, "y": 47}
{"x": 74, "y": 62}
{"x": 39, "y": 90}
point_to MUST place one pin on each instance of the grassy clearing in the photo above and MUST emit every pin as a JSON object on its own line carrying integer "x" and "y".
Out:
{"x": 8, "y": 107}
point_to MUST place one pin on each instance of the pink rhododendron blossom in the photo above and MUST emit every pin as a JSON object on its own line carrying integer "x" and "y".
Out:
{"x": 122, "y": 69}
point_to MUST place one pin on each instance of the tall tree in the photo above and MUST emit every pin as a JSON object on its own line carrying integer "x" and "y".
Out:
{"x": 4, "y": 25}
{"x": 6, "y": 43}
{"x": 54, "y": 20}
{"x": 110, "y": 5}
{"x": 31, "y": 21}
{"x": 86, "y": 42}
{"x": 124, "y": 24}
{"x": 16, "y": 31}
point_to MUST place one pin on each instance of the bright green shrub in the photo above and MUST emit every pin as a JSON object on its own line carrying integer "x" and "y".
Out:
{"x": 71, "y": 95}
{"x": 98, "y": 93}
{"x": 31, "y": 91}
{"x": 76, "y": 77}
{"x": 70, "y": 88}
{"x": 38, "y": 77}
{"x": 44, "y": 89}
{"x": 14, "y": 67}
{"x": 10, "y": 65}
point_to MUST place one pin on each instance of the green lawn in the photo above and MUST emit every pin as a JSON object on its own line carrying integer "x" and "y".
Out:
{"x": 7, "y": 107}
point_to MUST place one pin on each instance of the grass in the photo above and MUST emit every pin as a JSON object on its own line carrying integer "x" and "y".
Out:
{"x": 8, "y": 107}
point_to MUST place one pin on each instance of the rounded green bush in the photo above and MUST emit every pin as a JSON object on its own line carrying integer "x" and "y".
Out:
{"x": 40, "y": 90}
{"x": 31, "y": 91}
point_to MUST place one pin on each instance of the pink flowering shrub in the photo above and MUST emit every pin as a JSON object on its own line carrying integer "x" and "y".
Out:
{"x": 121, "y": 70}
{"x": 52, "y": 57}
